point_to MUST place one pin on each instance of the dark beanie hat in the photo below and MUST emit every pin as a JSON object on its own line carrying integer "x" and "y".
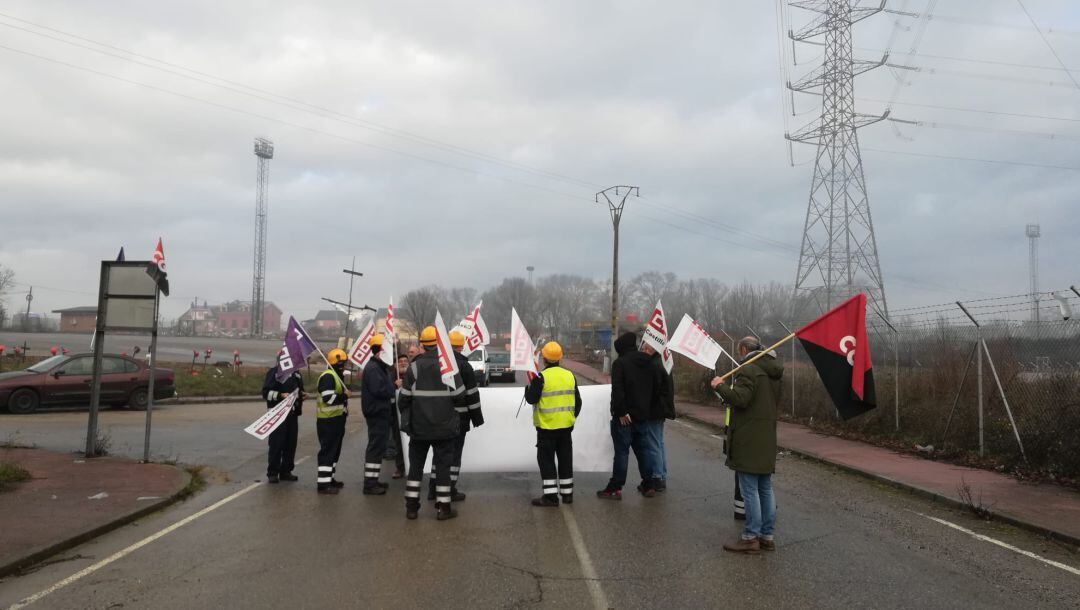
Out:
{"x": 626, "y": 342}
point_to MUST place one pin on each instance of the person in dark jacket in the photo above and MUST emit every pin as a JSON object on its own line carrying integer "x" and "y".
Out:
{"x": 395, "y": 420}
{"x": 556, "y": 404}
{"x": 282, "y": 441}
{"x": 636, "y": 409}
{"x": 470, "y": 415}
{"x": 429, "y": 417}
{"x": 752, "y": 442}
{"x": 376, "y": 402}
{"x": 667, "y": 402}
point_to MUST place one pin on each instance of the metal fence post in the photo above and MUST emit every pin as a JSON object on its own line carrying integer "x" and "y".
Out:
{"x": 979, "y": 375}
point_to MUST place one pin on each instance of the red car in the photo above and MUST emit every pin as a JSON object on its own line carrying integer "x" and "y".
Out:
{"x": 65, "y": 380}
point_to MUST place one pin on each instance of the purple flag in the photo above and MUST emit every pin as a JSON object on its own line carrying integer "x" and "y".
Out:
{"x": 295, "y": 351}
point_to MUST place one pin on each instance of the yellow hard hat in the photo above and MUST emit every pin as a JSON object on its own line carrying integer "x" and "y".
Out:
{"x": 457, "y": 339}
{"x": 376, "y": 340}
{"x": 336, "y": 356}
{"x": 552, "y": 352}
{"x": 428, "y": 336}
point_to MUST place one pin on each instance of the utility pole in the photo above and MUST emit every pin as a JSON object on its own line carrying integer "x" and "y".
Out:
{"x": 264, "y": 151}
{"x": 26, "y": 318}
{"x": 616, "y": 210}
{"x": 839, "y": 256}
{"x": 353, "y": 274}
{"x": 1033, "y": 233}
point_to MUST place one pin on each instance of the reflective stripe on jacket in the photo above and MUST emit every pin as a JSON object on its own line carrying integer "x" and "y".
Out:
{"x": 557, "y": 404}
{"x": 330, "y": 402}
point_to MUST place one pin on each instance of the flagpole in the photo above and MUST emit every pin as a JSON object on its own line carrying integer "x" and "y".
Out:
{"x": 763, "y": 353}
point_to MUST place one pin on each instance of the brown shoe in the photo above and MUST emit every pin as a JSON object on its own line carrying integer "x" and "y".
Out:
{"x": 767, "y": 545}
{"x": 750, "y": 547}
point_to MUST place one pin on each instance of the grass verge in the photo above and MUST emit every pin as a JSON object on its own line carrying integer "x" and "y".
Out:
{"x": 195, "y": 485}
{"x": 10, "y": 474}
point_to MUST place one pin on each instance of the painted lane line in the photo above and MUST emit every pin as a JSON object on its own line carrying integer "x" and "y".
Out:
{"x": 1003, "y": 545}
{"x": 587, "y": 570}
{"x": 138, "y": 545}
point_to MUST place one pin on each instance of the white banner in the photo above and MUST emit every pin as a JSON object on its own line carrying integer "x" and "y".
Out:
{"x": 262, "y": 427}
{"x": 448, "y": 367}
{"x": 389, "y": 340}
{"x": 691, "y": 340}
{"x": 522, "y": 349}
{"x": 474, "y": 330}
{"x": 506, "y": 443}
{"x": 656, "y": 335}
{"x": 360, "y": 352}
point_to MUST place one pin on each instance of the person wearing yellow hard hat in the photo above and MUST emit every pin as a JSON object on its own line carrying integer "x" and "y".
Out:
{"x": 429, "y": 417}
{"x": 556, "y": 405}
{"x": 331, "y": 410}
{"x": 469, "y": 412}
{"x": 376, "y": 402}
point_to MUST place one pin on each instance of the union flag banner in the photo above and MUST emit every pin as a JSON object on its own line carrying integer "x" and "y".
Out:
{"x": 360, "y": 352}
{"x": 691, "y": 340}
{"x": 387, "y": 354}
{"x": 522, "y": 349}
{"x": 262, "y": 427}
{"x": 448, "y": 367}
{"x": 837, "y": 345}
{"x": 656, "y": 335}
{"x": 475, "y": 331}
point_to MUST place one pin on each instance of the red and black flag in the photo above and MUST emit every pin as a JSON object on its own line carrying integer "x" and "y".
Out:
{"x": 157, "y": 269}
{"x": 837, "y": 345}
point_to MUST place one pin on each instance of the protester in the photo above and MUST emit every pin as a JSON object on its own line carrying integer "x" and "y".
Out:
{"x": 377, "y": 394}
{"x": 556, "y": 404}
{"x": 471, "y": 416}
{"x": 752, "y": 442}
{"x": 667, "y": 401}
{"x": 636, "y": 409}
{"x": 331, "y": 411}
{"x": 282, "y": 441}
{"x": 395, "y": 419}
{"x": 429, "y": 417}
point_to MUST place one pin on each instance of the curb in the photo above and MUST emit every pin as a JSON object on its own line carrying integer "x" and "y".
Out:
{"x": 203, "y": 400}
{"x": 921, "y": 492}
{"x": 41, "y": 554}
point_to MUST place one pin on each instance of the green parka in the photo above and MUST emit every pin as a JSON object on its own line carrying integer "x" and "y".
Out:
{"x": 751, "y": 436}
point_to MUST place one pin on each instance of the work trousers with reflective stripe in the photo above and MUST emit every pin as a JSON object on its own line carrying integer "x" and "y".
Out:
{"x": 552, "y": 445}
{"x": 455, "y": 465}
{"x": 442, "y": 458}
{"x": 331, "y": 432}
{"x": 378, "y": 434}
{"x": 282, "y": 444}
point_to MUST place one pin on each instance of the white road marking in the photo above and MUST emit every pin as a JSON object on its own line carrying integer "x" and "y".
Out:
{"x": 1004, "y": 545}
{"x": 587, "y": 570}
{"x": 134, "y": 547}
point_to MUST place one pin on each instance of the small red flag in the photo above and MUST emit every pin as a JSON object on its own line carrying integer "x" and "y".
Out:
{"x": 837, "y": 345}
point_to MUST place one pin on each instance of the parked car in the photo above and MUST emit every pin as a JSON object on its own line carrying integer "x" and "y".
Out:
{"x": 498, "y": 367}
{"x": 66, "y": 380}
{"x": 478, "y": 362}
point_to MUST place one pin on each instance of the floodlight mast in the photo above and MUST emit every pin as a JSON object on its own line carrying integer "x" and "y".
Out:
{"x": 264, "y": 151}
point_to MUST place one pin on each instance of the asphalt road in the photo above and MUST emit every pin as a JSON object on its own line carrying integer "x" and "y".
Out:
{"x": 170, "y": 349}
{"x": 843, "y": 541}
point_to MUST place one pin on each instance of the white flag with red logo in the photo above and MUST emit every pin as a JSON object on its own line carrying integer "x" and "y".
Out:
{"x": 389, "y": 341}
{"x": 522, "y": 350}
{"x": 448, "y": 367}
{"x": 656, "y": 335}
{"x": 262, "y": 427}
{"x": 361, "y": 349}
{"x": 691, "y": 340}
{"x": 474, "y": 330}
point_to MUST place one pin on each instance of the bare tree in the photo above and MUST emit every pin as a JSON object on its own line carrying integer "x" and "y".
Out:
{"x": 419, "y": 306}
{"x": 564, "y": 301}
{"x": 7, "y": 280}
{"x": 456, "y": 303}
{"x": 513, "y": 292}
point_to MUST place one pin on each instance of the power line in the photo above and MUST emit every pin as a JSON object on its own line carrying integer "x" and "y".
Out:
{"x": 974, "y": 159}
{"x": 975, "y": 110}
{"x": 1053, "y": 51}
{"x": 980, "y": 129}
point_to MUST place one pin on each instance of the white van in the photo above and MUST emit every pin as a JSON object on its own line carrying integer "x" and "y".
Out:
{"x": 478, "y": 361}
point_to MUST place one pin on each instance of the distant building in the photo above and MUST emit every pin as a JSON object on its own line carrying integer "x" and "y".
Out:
{"x": 78, "y": 319}
{"x": 233, "y": 318}
{"x": 327, "y": 323}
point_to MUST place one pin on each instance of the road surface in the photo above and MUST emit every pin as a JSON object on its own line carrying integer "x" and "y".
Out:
{"x": 170, "y": 349}
{"x": 842, "y": 540}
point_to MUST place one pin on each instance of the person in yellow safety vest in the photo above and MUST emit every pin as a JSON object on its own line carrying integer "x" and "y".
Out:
{"x": 331, "y": 409}
{"x": 556, "y": 405}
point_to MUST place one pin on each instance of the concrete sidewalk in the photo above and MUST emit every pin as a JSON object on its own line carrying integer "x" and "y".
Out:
{"x": 70, "y": 500}
{"x": 1048, "y": 509}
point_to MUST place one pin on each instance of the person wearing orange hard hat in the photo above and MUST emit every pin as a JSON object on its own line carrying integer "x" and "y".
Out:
{"x": 331, "y": 410}
{"x": 470, "y": 414}
{"x": 556, "y": 405}
{"x": 376, "y": 402}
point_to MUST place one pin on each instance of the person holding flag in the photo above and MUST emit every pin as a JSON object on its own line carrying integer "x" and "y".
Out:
{"x": 470, "y": 414}
{"x": 556, "y": 405}
{"x": 332, "y": 409}
{"x": 377, "y": 395}
{"x": 282, "y": 441}
{"x": 427, "y": 401}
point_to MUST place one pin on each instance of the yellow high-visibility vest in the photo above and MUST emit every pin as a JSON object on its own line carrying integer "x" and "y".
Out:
{"x": 555, "y": 410}
{"x": 323, "y": 410}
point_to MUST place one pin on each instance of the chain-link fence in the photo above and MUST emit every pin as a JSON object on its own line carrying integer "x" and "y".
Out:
{"x": 999, "y": 381}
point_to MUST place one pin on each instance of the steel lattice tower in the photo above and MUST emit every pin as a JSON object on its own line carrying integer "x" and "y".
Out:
{"x": 839, "y": 255}
{"x": 264, "y": 151}
{"x": 1033, "y": 233}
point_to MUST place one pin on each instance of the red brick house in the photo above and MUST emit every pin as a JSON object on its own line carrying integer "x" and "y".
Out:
{"x": 78, "y": 319}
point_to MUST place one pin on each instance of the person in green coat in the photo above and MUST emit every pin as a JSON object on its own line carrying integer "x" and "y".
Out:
{"x": 751, "y": 442}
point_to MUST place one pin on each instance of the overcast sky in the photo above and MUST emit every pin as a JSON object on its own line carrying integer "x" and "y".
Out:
{"x": 680, "y": 98}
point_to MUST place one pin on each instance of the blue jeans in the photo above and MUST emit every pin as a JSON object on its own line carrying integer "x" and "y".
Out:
{"x": 757, "y": 493}
{"x": 638, "y": 436}
{"x": 660, "y": 471}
